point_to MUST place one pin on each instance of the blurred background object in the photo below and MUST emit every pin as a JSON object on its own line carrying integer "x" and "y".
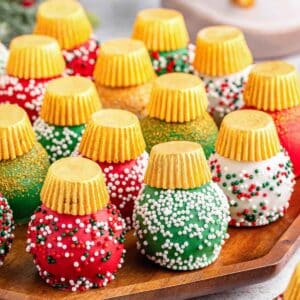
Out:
{"x": 271, "y": 27}
{"x": 17, "y": 17}
{"x": 117, "y": 18}
{"x": 244, "y": 3}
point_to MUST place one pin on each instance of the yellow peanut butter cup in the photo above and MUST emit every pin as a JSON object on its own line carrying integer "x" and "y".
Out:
{"x": 273, "y": 85}
{"x": 35, "y": 56}
{"x": 69, "y": 101}
{"x": 293, "y": 290}
{"x": 177, "y": 97}
{"x": 112, "y": 135}
{"x": 221, "y": 50}
{"x": 64, "y": 20}
{"x": 75, "y": 186}
{"x": 123, "y": 63}
{"x": 248, "y": 135}
{"x": 16, "y": 134}
{"x": 177, "y": 165}
{"x": 161, "y": 29}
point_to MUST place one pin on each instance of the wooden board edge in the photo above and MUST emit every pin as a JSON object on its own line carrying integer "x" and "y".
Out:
{"x": 270, "y": 265}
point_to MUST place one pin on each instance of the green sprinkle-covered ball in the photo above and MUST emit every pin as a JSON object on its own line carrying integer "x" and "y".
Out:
{"x": 178, "y": 112}
{"x": 166, "y": 37}
{"x": 59, "y": 141}
{"x": 67, "y": 106}
{"x": 202, "y": 130}
{"x": 181, "y": 217}
{"x": 171, "y": 61}
{"x": 181, "y": 229}
{"x": 21, "y": 180}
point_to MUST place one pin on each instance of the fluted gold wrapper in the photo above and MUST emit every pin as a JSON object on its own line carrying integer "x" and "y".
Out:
{"x": 273, "y": 85}
{"x": 65, "y": 20}
{"x": 112, "y": 135}
{"x": 69, "y": 101}
{"x": 16, "y": 133}
{"x": 221, "y": 50}
{"x": 178, "y": 98}
{"x": 35, "y": 56}
{"x": 177, "y": 165}
{"x": 74, "y": 186}
{"x": 123, "y": 63}
{"x": 293, "y": 290}
{"x": 161, "y": 29}
{"x": 247, "y": 135}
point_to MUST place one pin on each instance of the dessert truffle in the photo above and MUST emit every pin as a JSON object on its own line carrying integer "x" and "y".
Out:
{"x": 76, "y": 237}
{"x": 6, "y": 228}
{"x": 33, "y": 61}
{"x": 181, "y": 216}
{"x": 165, "y": 35}
{"x": 23, "y": 162}
{"x": 274, "y": 88}
{"x": 67, "y": 22}
{"x": 3, "y": 58}
{"x": 178, "y": 111}
{"x": 68, "y": 105}
{"x": 113, "y": 138}
{"x": 252, "y": 168}
{"x": 223, "y": 61}
{"x": 124, "y": 75}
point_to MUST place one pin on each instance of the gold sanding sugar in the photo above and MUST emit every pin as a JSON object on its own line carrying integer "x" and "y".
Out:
{"x": 134, "y": 99}
{"x": 21, "y": 174}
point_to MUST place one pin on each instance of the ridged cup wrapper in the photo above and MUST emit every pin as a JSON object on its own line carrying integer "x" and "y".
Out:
{"x": 123, "y": 63}
{"x": 178, "y": 98}
{"x": 273, "y": 85}
{"x": 221, "y": 50}
{"x": 69, "y": 101}
{"x": 74, "y": 186}
{"x": 64, "y": 20}
{"x": 248, "y": 135}
{"x": 177, "y": 165}
{"x": 16, "y": 133}
{"x": 161, "y": 29}
{"x": 112, "y": 135}
{"x": 35, "y": 56}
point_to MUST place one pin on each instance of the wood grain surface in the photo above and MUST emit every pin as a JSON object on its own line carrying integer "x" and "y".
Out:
{"x": 249, "y": 256}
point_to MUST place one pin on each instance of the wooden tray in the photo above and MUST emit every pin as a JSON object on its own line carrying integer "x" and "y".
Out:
{"x": 249, "y": 256}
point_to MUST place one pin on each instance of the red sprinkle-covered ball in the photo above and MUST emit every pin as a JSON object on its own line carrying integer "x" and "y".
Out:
{"x": 81, "y": 60}
{"x": 76, "y": 252}
{"x": 27, "y": 93}
{"x": 124, "y": 182}
{"x": 273, "y": 87}
{"x": 288, "y": 127}
{"x": 6, "y": 228}
{"x": 33, "y": 61}
{"x": 114, "y": 140}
